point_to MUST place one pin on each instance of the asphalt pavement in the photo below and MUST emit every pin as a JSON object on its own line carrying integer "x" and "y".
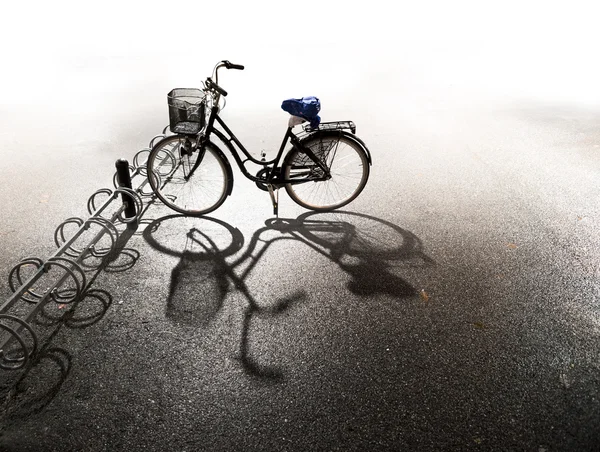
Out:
{"x": 452, "y": 306}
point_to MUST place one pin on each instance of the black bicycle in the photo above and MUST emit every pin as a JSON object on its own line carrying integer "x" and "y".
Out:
{"x": 326, "y": 168}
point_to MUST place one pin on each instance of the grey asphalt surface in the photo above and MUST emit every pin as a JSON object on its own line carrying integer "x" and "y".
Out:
{"x": 452, "y": 306}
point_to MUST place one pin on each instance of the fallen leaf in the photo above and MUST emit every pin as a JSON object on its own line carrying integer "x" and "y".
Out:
{"x": 479, "y": 325}
{"x": 565, "y": 381}
{"x": 512, "y": 246}
{"x": 424, "y": 295}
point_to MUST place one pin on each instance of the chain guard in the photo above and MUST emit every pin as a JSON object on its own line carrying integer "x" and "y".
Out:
{"x": 262, "y": 174}
{"x": 263, "y": 184}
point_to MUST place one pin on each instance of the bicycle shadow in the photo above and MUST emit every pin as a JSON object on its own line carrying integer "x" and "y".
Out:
{"x": 367, "y": 254}
{"x": 366, "y": 248}
{"x": 200, "y": 281}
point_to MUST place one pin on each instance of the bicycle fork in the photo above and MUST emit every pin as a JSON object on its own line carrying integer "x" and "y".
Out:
{"x": 201, "y": 152}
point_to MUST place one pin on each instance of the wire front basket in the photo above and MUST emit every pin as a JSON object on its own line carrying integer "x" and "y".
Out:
{"x": 186, "y": 110}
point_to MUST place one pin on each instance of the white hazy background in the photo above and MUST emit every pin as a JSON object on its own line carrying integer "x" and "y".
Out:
{"x": 546, "y": 50}
{"x": 95, "y": 67}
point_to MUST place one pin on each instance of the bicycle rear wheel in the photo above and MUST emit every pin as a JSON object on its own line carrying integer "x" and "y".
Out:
{"x": 178, "y": 185}
{"x": 348, "y": 165}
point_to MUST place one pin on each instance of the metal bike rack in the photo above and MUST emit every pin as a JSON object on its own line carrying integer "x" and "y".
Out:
{"x": 18, "y": 339}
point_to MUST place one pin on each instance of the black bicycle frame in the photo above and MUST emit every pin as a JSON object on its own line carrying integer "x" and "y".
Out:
{"x": 272, "y": 176}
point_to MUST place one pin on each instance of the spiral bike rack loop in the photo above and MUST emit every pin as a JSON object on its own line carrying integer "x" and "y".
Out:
{"x": 18, "y": 340}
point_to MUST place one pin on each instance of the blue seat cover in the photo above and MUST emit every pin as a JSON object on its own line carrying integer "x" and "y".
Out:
{"x": 306, "y": 108}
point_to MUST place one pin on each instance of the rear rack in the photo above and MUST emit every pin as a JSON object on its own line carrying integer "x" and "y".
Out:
{"x": 336, "y": 125}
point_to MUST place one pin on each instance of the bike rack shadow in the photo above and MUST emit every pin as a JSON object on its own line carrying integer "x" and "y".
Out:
{"x": 35, "y": 387}
{"x": 79, "y": 306}
{"x": 360, "y": 253}
{"x": 49, "y": 368}
{"x": 94, "y": 303}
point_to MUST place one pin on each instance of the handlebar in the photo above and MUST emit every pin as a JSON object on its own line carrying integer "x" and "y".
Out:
{"x": 229, "y": 65}
{"x": 215, "y": 85}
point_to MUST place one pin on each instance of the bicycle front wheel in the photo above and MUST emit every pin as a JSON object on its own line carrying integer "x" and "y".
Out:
{"x": 348, "y": 166}
{"x": 182, "y": 185}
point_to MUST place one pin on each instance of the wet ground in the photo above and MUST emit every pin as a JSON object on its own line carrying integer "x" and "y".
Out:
{"x": 453, "y": 305}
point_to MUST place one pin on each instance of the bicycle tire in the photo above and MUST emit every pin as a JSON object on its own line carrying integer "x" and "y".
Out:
{"x": 348, "y": 164}
{"x": 203, "y": 192}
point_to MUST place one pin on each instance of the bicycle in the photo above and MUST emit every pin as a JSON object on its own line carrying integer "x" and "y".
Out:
{"x": 326, "y": 168}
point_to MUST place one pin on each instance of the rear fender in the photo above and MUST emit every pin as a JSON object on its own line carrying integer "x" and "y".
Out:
{"x": 343, "y": 133}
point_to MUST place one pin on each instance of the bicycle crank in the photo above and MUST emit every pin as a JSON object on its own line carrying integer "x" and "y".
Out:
{"x": 262, "y": 174}
{"x": 263, "y": 184}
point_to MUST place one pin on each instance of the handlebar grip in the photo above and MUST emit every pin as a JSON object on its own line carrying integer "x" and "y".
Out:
{"x": 229, "y": 65}
{"x": 216, "y": 87}
{"x": 219, "y": 89}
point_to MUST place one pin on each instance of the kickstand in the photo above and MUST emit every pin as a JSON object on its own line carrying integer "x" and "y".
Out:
{"x": 274, "y": 192}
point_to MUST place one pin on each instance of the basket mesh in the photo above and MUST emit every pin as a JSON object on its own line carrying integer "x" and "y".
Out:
{"x": 186, "y": 110}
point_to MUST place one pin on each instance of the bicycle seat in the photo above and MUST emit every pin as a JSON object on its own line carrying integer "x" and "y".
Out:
{"x": 306, "y": 108}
